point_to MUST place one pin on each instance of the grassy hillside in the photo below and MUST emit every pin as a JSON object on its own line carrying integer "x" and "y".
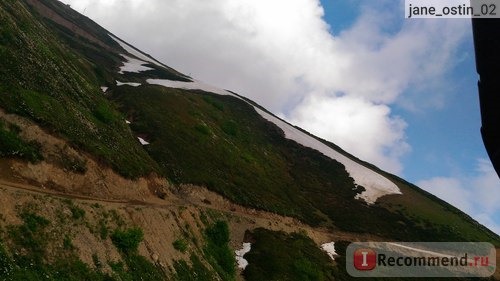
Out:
{"x": 41, "y": 78}
{"x": 282, "y": 256}
{"x": 221, "y": 142}
{"x": 56, "y": 239}
{"x": 54, "y": 62}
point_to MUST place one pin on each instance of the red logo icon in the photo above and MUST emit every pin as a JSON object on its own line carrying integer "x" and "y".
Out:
{"x": 365, "y": 259}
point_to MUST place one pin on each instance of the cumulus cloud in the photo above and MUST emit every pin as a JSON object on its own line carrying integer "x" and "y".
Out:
{"x": 334, "y": 118}
{"x": 476, "y": 195}
{"x": 283, "y": 55}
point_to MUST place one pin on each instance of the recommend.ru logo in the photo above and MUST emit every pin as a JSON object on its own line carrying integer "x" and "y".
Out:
{"x": 420, "y": 259}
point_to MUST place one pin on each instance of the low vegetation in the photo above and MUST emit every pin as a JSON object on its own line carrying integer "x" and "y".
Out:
{"x": 281, "y": 256}
{"x": 53, "y": 77}
{"x": 216, "y": 251}
{"x": 41, "y": 249}
{"x": 180, "y": 245}
{"x": 195, "y": 139}
{"x": 44, "y": 80}
{"x": 12, "y": 146}
{"x": 27, "y": 258}
{"x": 197, "y": 271}
{"x": 127, "y": 240}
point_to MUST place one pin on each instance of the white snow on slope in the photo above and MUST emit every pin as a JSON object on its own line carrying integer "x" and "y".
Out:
{"x": 142, "y": 141}
{"x": 134, "y": 52}
{"x": 104, "y": 89}
{"x": 133, "y": 65}
{"x": 195, "y": 85}
{"x": 118, "y": 83}
{"x": 329, "y": 248}
{"x": 375, "y": 184}
{"x": 242, "y": 263}
{"x": 127, "y": 122}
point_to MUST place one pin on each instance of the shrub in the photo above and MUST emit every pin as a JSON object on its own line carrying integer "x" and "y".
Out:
{"x": 77, "y": 213}
{"x": 218, "y": 250}
{"x": 104, "y": 113}
{"x": 30, "y": 236}
{"x": 282, "y": 256}
{"x": 180, "y": 245}
{"x": 218, "y": 233}
{"x": 128, "y": 240}
{"x": 103, "y": 230}
{"x": 67, "y": 243}
{"x": 11, "y": 145}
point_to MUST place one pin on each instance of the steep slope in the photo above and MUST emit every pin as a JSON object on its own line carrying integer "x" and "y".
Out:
{"x": 223, "y": 141}
{"x": 200, "y": 134}
{"x": 84, "y": 113}
{"x": 47, "y": 81}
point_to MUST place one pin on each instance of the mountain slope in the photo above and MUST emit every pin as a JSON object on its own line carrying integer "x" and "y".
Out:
{"x": 219, "y": 141}
{"x": 112, "y": 122}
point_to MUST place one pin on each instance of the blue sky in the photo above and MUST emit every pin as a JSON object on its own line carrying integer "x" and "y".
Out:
{"x": 395, "y": 92}
{"x": 445, "y": 140}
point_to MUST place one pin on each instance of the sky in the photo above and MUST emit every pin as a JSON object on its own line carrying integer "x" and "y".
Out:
{"x": 399, "y": 93}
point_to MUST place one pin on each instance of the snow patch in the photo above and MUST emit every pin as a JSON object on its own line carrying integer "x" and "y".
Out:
{"x": 118, "y": 83}
{"x": 242, "y": 263}
{"x": 134, "y": 52}
{"x": 329, "y": 248}
{"x": 374, "y": 183}
{"x": 104, "y": 89}
{"x": 133, "y": 65}
{"x": 142, "y": 141}
{"x": 195, "y": 85}
{"x": 127, "y": 122}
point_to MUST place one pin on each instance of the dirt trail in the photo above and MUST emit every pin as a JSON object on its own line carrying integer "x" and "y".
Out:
{"x": 197, "y": 197}
{"x": 154, "y": 216}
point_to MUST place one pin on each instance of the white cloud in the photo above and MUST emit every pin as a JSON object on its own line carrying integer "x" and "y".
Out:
{"x": 477, "y": 195}
{"x": 378, "y": 137}
{"x": 282, "y": 55}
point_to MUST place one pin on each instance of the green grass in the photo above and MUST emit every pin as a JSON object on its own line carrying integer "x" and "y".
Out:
{"x": 30, "y": 237}
{"x": 33, "y": 254}
{"x": 52, "y": 77}
{"x": 136, "y": 268}
{"x": 221, "y": 142}
{"x": 27, "y": 259}
{"x": 197, "y": 271}
{"x": 218, "y": 252}
{"x": 180, "y": 245}
{"x": 127, "y": 240}
{"x": 12, "y": 146}
{"x": 281, "y": 256}
{"x": 196, "y": 139}
{"x": 43, "y": 79}
{"x": 77, "y": 212}
{"x": 442, "y": 221}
